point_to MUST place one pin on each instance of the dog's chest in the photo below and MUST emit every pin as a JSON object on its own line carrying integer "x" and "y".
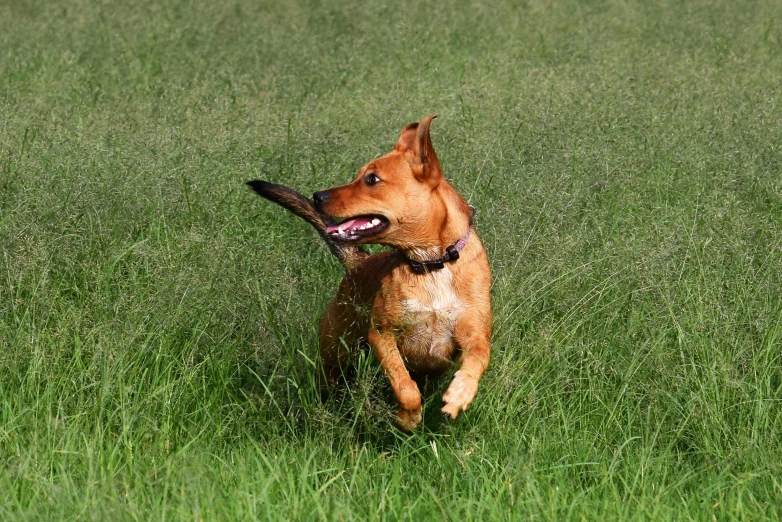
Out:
{"x": 430, "y": 311}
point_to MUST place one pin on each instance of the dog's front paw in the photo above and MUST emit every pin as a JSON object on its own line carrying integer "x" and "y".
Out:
{"x": 459, "y": 394}
{"x": 407, "y": 420}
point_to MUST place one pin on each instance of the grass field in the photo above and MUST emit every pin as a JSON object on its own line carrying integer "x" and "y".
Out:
{"x": 158, "y": 321}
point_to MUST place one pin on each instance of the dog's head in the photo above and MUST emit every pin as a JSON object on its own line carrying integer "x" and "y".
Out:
{"x": 394, "y": 198}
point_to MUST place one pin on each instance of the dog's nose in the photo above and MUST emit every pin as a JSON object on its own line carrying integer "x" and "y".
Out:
{"x": 320, "y": 197}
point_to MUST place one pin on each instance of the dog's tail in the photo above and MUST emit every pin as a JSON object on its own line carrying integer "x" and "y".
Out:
{"x": 349, "y": 255}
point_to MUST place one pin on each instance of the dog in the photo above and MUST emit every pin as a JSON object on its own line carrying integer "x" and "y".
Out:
{"x": 422, "y": 305}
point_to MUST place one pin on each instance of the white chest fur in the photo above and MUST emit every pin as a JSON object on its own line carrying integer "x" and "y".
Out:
{"x": 435, "y": 293}
{"x": 431, "y": 313}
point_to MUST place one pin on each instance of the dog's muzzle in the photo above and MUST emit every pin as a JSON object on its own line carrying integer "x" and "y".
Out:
{"x": 319, "y": 198}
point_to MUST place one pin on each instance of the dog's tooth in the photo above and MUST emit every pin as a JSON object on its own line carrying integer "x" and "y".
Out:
{"x": 375, "y": 221}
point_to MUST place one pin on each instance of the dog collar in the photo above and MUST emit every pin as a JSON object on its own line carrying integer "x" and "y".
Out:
{"x": 451, "y": 254}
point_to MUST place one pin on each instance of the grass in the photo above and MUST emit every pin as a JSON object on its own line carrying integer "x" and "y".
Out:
{"x": 157, "y": 320}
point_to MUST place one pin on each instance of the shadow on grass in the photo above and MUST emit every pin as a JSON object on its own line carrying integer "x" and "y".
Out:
{"x": 359, "y": 409}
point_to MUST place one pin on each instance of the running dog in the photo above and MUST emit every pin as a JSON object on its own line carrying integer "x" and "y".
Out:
{"x": 421, "y": 306}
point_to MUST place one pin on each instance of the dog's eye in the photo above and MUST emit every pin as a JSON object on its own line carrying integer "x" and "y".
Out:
{"x": 371, "y": 179}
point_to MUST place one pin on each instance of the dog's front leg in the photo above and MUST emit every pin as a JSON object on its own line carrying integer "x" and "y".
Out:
{"x": 472, "y": 333}
{"x": 405, "y": 389}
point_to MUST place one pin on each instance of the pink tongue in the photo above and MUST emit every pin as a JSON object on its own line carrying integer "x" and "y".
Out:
{"x": 347, "y": 225}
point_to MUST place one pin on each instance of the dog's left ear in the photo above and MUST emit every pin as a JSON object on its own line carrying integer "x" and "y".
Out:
{"x": 415, "y": 142}
{"x": 406, "y": 139}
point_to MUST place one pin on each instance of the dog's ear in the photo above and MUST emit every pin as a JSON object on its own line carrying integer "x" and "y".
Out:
{"x": 415, "y": 139}
{"x": 406, "y": 138}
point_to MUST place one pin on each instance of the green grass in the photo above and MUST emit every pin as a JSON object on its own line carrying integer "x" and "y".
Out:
{"x": 158, "y": 321}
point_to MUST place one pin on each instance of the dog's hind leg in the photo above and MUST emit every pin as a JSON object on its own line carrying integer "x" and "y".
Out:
{"x": 334, "y": 345}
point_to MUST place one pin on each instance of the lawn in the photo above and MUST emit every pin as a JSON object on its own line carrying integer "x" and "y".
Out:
{"x": 158, "y": 320}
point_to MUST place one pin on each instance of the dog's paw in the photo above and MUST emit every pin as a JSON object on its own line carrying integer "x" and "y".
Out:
{"x": 407, "y": 420}
{"x": 459, "y": 395}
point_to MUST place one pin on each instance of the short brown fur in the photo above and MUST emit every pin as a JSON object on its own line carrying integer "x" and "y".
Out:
{"x": 413, "y": 322}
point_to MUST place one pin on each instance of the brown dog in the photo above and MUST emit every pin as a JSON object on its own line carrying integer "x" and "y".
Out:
{"x": 419, "y": 306}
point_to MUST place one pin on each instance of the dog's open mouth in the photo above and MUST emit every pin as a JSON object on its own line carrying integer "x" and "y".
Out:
{"x": 357, "y": 227}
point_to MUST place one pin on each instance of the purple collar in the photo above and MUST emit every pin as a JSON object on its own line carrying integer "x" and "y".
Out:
{"x": 451, "y": 254}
